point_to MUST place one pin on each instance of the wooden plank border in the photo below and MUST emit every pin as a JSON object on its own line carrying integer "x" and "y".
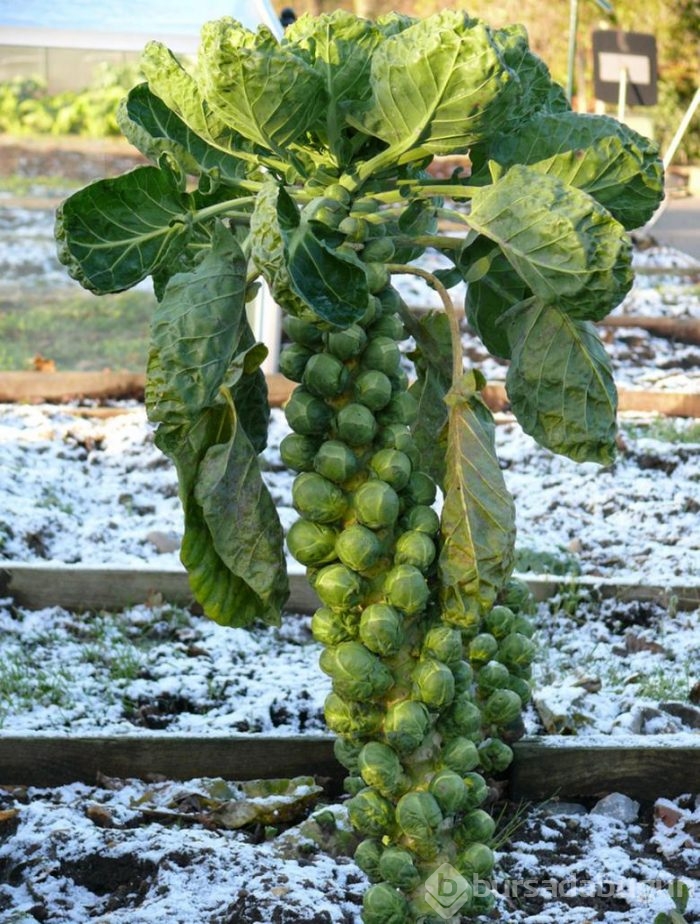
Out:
{"x": 60, "y": 387}
{"x": 643, "y": 767}
{"x": 79, "y": 587}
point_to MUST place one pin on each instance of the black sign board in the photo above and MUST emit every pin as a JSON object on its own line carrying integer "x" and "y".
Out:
{"x": 624, "y": 56}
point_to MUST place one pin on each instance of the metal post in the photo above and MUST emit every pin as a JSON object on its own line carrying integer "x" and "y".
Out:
{"x": 685, "y": 122}
{"x": 622, "y": 95}
{"x": 573, "y": 29}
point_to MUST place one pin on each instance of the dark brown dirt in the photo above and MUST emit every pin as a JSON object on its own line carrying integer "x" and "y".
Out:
{"x": 77, "y": 159}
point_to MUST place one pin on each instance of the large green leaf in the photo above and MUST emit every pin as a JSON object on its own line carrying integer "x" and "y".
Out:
{"x": 155, "y": 129}
{"x": 491, "y": 295}
{"x": 596, "y": 153}
{"x": 560, "y": 383}
{"x": 432, "y": 359}
{"x": 564, "y": 245}
{"x": 440, "y": 84}
{"x": 115, "y": 232}
{"x": 339, "y": 47}
{"x": 259, "y": 88}
{"x": 333, "y": 285}
{"x": 178, "y": 89}
{"x": 478, "y": 515}
{"x": 207, "y": 392}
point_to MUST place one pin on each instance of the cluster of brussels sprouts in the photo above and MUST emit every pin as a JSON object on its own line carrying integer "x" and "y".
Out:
{"x": 420, "y": 707}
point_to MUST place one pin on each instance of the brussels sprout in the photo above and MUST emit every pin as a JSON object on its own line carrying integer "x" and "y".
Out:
{"x": 312, "y": 543}
{"x": 476, "y": 826}
{"x": 449, "y": 791}
{"x": 329, "y": 212}
{"x": 381, "y": 629}
{"x": 346, "y": 753}
{"x": 520, "y": 686}
{"x": 317, "y": 499}
{"x": 376, "y": 504}
{"x": 307, "y": 414}
{"x": 353, "y": 784}
{"x": 355, "y": 229}
{"x": 382, "y": 354}
{"x": 328, "y": 627}
{"x": 406, "y": 588}
{"x": 358, "y": 547}
{"x": 292, "y": 361}
{"x": 502, "y": 707}
{"x": 370, "y": 813}
{"x": 388, "y": 325}
{"x": 356, "y": 424}
{"x": 516, "y": 650}
{"x": 367, "y": 854}
{"x": 433, "y": 683}
{"x": 325, "y": 376}
{"x": 464, "y": 613}
{"x": 378, "y": 276}
{"x": 347, "y": 343}
{"x": 398, "y": 436}
{"x": 402, "y": 409}
{"x": 297, "y": 451}
{"x": 492, "y": 676}
{"x": 335, "y": 461}
{"x": 420, "y": 489}
{"x": 518, "y": 597}
{"x": 373, "y": 389}
{"x": 383, "y": 904}
{"x": 523, "y": 626}
{"x": 303, "y": 332}
{"x": 463, "y": 718}
{"x": 460, "y": 755}
{"x": 349, "y": 718}
{"x": 338, "y": 192}
{"x": 463, "y": 675}
{"x": 482, "y": 648}
{"x": 499, "y": 621}
{"x": 396, "y": 867}
{"x": 423, "y": 519}
{"x": 378, "y": 250}
{"x": 495, "y": 755}
{"x": 356, "y": 673}
{"x": 442, "y": 642}
{"x": 405, "y": 725}
{"x": 418, "y": 815}
{"x": 417, "y": 549}
{"x": 477, "y": 789}
{"x": 338, "y": 586}
{"x": 483, "y": 900}
{"x": 381, "y": 768}
{"x": 391, "y": 300}
{"x": 392, "y": 466}
{"x": 476, "y": 860}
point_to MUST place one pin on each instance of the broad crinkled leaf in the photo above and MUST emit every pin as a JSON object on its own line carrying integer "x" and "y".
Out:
{"x": 178, "y": 89}
{"x": 478, "y": 514}
{"x": 115, "y": 232}
{"x": 489, "y": 297}
{"x": 155, "y": 129}
{"x": 339, "y": 47}
{"x": 564, "y": 245}
{"x": 618, "y": 167}
{"x": 206, "y": 391}
{"x": 258, "y": 88}
{"x": 560, "y": 383}
{"x": 333, "y": 286}
{"x": 440, "y": 84}
{"x": 432, "y": 359}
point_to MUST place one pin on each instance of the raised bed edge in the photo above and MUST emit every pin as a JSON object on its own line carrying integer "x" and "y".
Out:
{"x": 79, "y": 587}
{"x": 543, "y": 769}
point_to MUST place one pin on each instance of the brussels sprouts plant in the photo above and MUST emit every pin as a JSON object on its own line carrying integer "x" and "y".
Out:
{"x": 306, "y": 163}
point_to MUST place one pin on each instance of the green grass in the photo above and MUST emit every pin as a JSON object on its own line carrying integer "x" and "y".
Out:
{"x": 23, "y": 186}
{"x": 77, "y": 330}
{"x": 664, "y": 429}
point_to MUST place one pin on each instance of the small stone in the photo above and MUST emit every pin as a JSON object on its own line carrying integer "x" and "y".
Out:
{"x": 655, "y": 722}
{"x": 618, "y": 806}
{"x": 163, "y": 542}
{"x": 689, "y": 715}
{"x": 667, "y": 812}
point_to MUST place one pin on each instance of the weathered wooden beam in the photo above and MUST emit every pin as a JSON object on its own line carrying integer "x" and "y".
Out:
{"x": 80, "y": 587}
{"x": 57, "y": 387}
{"x": 643, "y": 767}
